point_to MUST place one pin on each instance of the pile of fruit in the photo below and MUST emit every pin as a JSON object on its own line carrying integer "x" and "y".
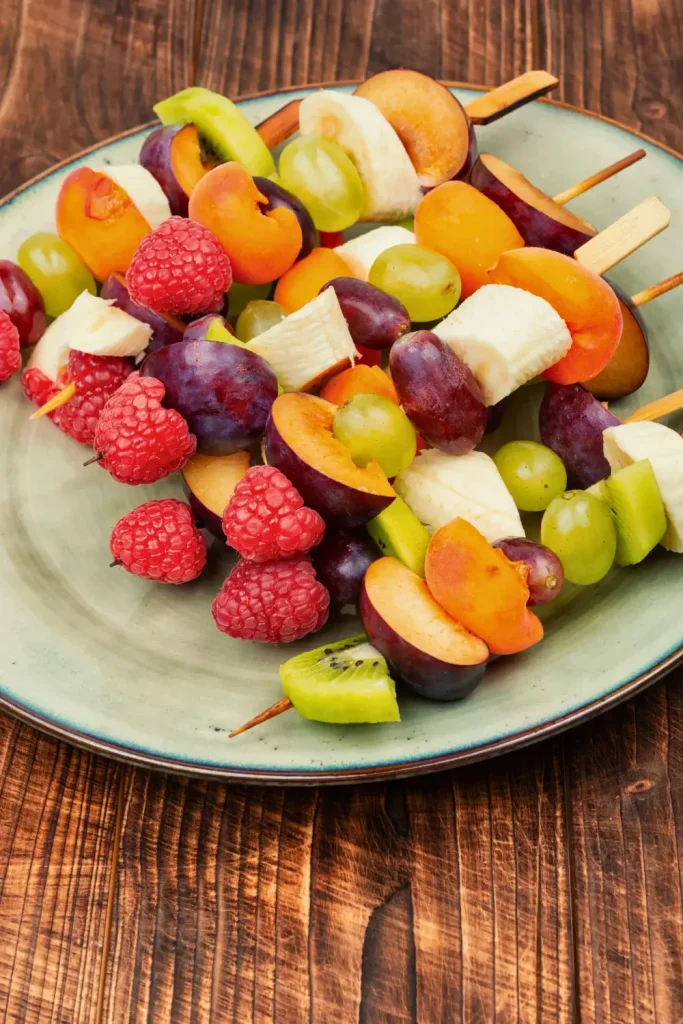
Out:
{"x": 324, "y": 398}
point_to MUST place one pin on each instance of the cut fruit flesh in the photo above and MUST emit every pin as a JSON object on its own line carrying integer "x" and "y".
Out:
{"x": 186, "y": 158}
{"x": 213, "y": 478}
{"x": 628, "y": 367}
{"x": 341, "y": 683}
{"x": 634, "y": 497}
{"x": 397, "y": 531}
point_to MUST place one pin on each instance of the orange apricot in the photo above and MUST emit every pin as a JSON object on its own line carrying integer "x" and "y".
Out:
{"x": 261, "y": 246}
{"x": 359, "y": 380}
{"x": 467, "y": 228}
{"x": 305, "y": 279}
{"x": 100, "y": 222}
{"x": 481, "y": 588}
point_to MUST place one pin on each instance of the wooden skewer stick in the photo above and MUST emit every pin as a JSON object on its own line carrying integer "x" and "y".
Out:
{"x": 624, "y": 236}
{"x": 61, "y": 398}
{"x": 282, "y": 705}
{"x": 648, "y": 294}
{"x": 280, "y": 125}
{"x": 660, "y": 407}
{"x": 595, "y": 179}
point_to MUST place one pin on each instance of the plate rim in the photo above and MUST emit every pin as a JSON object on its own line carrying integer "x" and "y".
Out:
{"x": 368, "y": 773}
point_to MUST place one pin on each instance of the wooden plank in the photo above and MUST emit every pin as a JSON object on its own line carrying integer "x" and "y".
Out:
{"x": 57, "y": 812}
{"x": 438, "y": 899}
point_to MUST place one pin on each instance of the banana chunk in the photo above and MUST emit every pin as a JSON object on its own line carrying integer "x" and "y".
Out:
{"x": 308, "y": 345}
{"x": 361, "y": 252}
{"x": 145, "y": 191}
{"x": 439, "y": 487}
{"x": 392, "y": 188}
{"x": 91, "y": 325}
{"x": 632, "y": 442}
{"x": 506, "y": 336}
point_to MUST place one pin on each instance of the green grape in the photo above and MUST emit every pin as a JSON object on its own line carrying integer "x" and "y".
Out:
{"x": 372, "y": 427}
{"x": 408, "y": 223}
{"x": 257, "y": 317}
{"x": 240, "y": 295}
{"x": 579, "y": 528}
{"x": 323, "y": 177}
{"x": 57, "y": 272}
{"x": 426, "y": 283}
{"x": 532, "y": 473}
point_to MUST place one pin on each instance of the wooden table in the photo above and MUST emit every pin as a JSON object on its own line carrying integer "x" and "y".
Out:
{"x": 544, "y": 886}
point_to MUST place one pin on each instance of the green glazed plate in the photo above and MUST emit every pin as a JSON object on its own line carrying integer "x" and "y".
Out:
{"x": 138, "y": 671}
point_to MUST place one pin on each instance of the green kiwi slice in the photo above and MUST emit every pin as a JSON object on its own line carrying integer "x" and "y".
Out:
{"x": 397, "y": 531}
{"x": 633, "y": 495}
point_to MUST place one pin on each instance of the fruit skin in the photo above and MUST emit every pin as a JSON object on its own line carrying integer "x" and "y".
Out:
{"x": 137, "y": 439}
{"x": 629, "y": 366}
{"x": 401, "y": 271}
{"x": 634, "y": 497}
{"x": 467, "y": 228}
{"x": 398, "y": 532}
{"x": 579, "y": 528}
{"x": 271, "y": 602}
{"x": 96, "y": 380}
{"x": 546, "y": 575}
{"x": 323, "y": 473}
{"x": 224, "y": 392}
{"x": 438, "y": 392}
{"x": 198, "y": 330}
{"x": 159, "y": 541}
{"x": 341, "y": 560}
{"x": 375, "y": 318}
{"x": 571, "y": 422}
{"x": 265, "y": 518}
{"x": 209, "y": 482}
{"x": 551, "y": 228}
{"x": 58, "y": 273}
{"x": 306, "y": 278}
{"x": 481, "y": 588}
{"x": 321, "y": 174}
{"x": 166, "y": 329}
{"x": 423, "y": 671}
{"x": 533, "y": 474}
{"x": 256, "y": 318}
{"x": 172, "y": 155}
{"x": 10, "y": 356}
{"x": 373, "y": 428}
{"x": 359, "y": 380}
{"x": 280, "y": 197}
{"x": 179, "y": 268}
{"x": 37, "y": 386}
{"x": 261, "y": 246}
{"x": 22, "y": 302}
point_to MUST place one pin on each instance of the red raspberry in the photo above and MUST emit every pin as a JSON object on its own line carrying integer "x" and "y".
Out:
{"x": 137, "y": 440}
{"x": 10, "y": 356}
{"x": 274, "y": 602}
{"x": 179, "y": 268}
{"x": 159, "y": 541}
{"x": 37, "y": 386}
{"x": 266, "y": 519}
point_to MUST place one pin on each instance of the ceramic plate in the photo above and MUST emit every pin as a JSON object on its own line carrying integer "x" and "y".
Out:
{"x": 138, "y": 670}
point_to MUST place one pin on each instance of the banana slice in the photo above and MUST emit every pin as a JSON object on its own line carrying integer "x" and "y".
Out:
{"x": 145, "y": 191}
{"x": 361, "y": 252}
{"x": 506, "y": 336}
{"x": 392, "y": 188}
{"x": 308, "y": 345}
{"x": 632, "y": 442}
{"x": 91, "y": 325}
{"x": 438, "y": 487}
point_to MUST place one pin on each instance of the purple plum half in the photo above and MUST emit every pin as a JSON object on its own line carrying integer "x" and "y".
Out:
{"x": 166, "y": 330}
{"x": 156, "y": 157}
{"x": 278, "y": 196}
{"x": 571, "y": 422}
{"x": 375, "y": 319}
{"x": 341, "y": 560}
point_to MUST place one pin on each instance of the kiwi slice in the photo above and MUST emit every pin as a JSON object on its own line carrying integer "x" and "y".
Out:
{"x": 217, "y": 332}
{"x": 222, "y": 126}
{"x": 347, "y": 681}
{"x": 397, "y": 531}
{"x": 633, "y": 495}
{"x": 599, "y": 489}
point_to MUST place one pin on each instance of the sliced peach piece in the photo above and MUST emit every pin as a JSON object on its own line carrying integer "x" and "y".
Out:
{"x": 359, "y": 380}
{"x": 261, "y": 246}
{"x": 481, "y": 588}
{"x": 428, "y": 119}
{"x": 210, "y": 482}
{"x": 585, "y": 302}
{"x": 100, "y": 222}
{"x": 304, "y": 280}
{"x": 467, "y": 228}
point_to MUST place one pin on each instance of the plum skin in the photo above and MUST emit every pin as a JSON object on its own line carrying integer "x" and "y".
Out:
{"x": 279, "y": 196}
{"x": 438, "y": 392}
{"x": 223, "y": 391}
{"x": 155, "y": 157}
{"x": 341, "y": 560}
{"x": 197, "y": 329}
{"x": 571, "y": 422}
{"x": 164, "y": 332}
{"x": 375, "y": 319}
{"x": 425, "y": 675}
{"x": 22, "y": 302}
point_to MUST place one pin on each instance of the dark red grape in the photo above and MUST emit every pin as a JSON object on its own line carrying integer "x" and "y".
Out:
{"x": 341, "y": 560}
{"x": 546, "y": 574}
{"x": 22, "y": 302}
{"x": 279, "y": 196}
{"x": 375, "y": 319}
{"x": 571, "y": 422}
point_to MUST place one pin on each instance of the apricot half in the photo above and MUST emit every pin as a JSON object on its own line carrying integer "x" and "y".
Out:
{"x": 585, "y": 302}
{"x": 628, "y": 367}
{"x": 210, "y": 482}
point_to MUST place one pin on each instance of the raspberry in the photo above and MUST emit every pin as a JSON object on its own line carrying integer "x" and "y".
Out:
{"x": 273, "y": 602}
{"x": 137, "y": 440}
{"x": 266, "y": 519}
{"x": 179, "y": 268}
{"x": 10, "y": 356}
{"x": 37, "y": 386}
{"x": 159, "y": 541}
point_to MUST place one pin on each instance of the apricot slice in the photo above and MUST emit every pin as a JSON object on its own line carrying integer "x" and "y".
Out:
{"x": 628, "y": 367}
{"x": 304, "y": 280}
{"x": 261, "y": 246}
{"x": 428, "y": 119}
{"x": 359, "y": 380}
{"x": 467, "y": 228}
{"x": 100, "y": 222}
{"x": 585, "y": 302}
{"x": 481, "y": 588}
{"x": 210, "y": 481}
